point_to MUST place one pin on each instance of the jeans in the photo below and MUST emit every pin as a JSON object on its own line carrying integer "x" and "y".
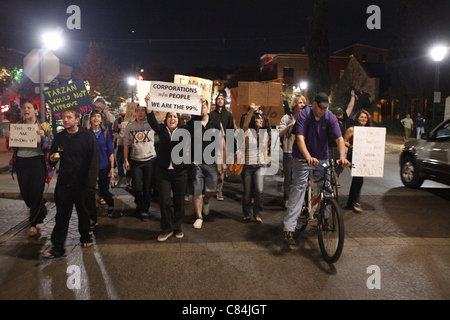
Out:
{"x": 141, "y": 175}
{"x": 287, "y": 172}
{"x": 300, "y": 174}
{"x": 419, "y": 130}
{"x": 253, "y": 187}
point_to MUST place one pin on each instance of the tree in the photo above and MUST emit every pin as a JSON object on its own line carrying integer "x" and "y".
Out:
{"x": 419, "y": 25}
{"x": 102, "y": 72}
{"x": 318, "y": 51}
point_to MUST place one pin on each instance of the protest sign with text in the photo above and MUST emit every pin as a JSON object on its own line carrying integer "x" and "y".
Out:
{"x": 368, "y": 151}
{"x": 23, "y": 135}
{"x": 69, "y": 95}
{"x": 170, "y": 97}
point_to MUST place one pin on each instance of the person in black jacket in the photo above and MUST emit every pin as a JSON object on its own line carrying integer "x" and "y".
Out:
{"x": 203, "y": 172}
{"x": 226, "y": 118}
{"x": 171, "y": 177}
{"x": 77, "y": 150}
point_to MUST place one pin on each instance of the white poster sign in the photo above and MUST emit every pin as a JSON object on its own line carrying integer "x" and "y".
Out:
{"x": 23, "y": 135}
{"x": 174, "y": 97}
{"x": 368, "y": 151}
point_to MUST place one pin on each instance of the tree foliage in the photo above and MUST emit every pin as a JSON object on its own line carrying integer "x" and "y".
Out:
{"x": 419, "y": 25}
{"x": 102, "y": 72}
{"x": 318, "y": 51}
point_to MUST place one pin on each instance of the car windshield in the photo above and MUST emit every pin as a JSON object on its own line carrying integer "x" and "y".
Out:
{"x": 444, "y": 132}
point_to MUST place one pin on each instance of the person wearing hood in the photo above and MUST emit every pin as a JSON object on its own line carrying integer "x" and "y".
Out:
{"x": 226, "y": 118}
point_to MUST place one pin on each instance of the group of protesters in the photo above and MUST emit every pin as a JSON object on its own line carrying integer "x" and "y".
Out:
{"x": 85, "y": 155}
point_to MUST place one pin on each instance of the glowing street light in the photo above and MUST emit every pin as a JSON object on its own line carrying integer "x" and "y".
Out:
{"x": 303, "y": 85}
{"x": 51, "y": 41}
{"x": 132, "y": 83}
{"x": 437, "y": 53}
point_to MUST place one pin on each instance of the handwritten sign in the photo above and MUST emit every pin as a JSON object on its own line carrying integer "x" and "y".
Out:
{"x": 368, "y": 151}
{"x": 204, "y": 84}
{"x": 170, "y": 97}
{"x": 23, "y": 135}
{"x": 70, "y": 95}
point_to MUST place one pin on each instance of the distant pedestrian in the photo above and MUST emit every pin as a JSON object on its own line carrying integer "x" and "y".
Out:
{"x": 13, "y": 114}
{"x": 408, "y": 124}
{"x": 76, "y": 149}
{"x": 420, "y": 125}
{"x": 31, "y": 168}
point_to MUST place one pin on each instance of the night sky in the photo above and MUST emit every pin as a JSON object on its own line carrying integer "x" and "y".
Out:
{"x": 184, "y": 35}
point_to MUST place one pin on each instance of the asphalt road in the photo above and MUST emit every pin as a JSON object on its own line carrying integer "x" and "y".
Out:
{"x": 399, "y": 248}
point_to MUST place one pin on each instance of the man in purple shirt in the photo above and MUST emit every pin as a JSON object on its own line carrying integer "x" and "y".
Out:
{"x": 314, "y": 125}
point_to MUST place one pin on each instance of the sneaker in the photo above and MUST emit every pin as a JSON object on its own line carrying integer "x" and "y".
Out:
{"x": 198, "y": 223}
{"x": 357, "y": 207}
{"x": 179, "y": 234}
{"x": 219, "y": 198}
{"x": 205, "y": 208}
{"x": 164, "y": 236}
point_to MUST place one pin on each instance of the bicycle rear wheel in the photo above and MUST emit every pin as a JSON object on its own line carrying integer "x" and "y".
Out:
{"x": 331, "y": 230}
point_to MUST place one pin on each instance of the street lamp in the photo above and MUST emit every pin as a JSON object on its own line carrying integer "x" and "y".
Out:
{"x": 437, "y": 53}
{"x": 132, "y": 83}
{"x": 51, "y": 41}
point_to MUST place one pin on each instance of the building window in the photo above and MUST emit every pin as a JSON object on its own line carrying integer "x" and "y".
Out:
{"x": 288, "y": 72}
{"x": 364, "y": 57}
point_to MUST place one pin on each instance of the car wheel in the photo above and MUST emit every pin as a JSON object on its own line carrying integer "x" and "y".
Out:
{"x": 409, "y": 173}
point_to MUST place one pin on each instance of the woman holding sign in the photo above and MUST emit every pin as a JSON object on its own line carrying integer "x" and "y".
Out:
{"x": 362, "y": 119}
{"x": 30, "y": 165}
{"x": 171, "y": 177}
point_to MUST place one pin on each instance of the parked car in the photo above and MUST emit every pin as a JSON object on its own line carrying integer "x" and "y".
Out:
{"x": 427, "y": 157}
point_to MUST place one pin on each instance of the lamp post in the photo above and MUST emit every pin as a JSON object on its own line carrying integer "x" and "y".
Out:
{"x": 437, "y": 53}
{"x": 51, "y": 41}
{"x": 132, "y": 83}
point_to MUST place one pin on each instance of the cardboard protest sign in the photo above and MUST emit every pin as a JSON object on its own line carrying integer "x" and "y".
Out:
{"x": 204, "y": 84}
{"x": 23, "y": 135}
{"x": 267, "y": 94}
{"x": 130, "y": 113}
{"x": 275, "y": 113}
{"x": 368, "y": 151}
{"x": 69, "y": 95}
{"x": 170, "y": 97}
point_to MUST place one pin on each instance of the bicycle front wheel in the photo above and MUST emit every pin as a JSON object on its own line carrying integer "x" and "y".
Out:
{"x": 331, "y": 230}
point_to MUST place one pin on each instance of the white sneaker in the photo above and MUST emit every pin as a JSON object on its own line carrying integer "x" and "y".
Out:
{"x": 198, "y": 223}
{"x": 164, "y": 236}
{"x": 205, "y": 208}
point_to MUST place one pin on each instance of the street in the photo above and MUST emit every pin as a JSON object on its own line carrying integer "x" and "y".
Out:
{"x": 398, "y": 248}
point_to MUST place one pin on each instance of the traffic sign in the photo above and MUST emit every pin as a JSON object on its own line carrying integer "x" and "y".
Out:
{"x": 50, "y": 65}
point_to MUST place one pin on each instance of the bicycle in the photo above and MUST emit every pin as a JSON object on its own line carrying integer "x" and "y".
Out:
{"x": 324, "y": 208}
